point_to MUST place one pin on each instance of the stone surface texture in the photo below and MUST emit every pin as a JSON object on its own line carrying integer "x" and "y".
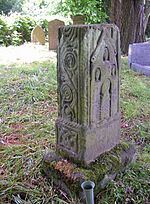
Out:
{"x": 53, "y": 33}
{"x": 68, "y": 176}
{"x": 38, "y": 35}
{"x": 139, "y": 57}
{"x": 88, "y": 122}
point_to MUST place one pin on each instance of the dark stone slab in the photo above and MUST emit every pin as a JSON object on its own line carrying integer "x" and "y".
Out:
{"x": 139, "y": 57}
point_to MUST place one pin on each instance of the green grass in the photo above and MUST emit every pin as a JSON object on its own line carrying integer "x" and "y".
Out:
{"x": 135, "y": 93}
{"x": 28, "y": 109}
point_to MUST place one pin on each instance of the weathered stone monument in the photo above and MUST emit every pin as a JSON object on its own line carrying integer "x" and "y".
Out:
{"x": 38, "y": 36}
{"x": 88, "y": 123}
{"x": 53, "y": 33}
{"x": 88, "y": 76}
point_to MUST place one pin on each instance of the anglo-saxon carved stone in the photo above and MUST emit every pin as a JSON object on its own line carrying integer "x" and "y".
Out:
{"x": 88, "y": 121}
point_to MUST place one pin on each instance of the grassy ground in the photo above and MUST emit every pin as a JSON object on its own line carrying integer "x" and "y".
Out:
{"x": 28, "y": 109}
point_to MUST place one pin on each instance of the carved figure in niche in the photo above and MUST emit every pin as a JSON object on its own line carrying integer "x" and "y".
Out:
{"x": 97, "y": 74}
{"x": 106, "y": 56}
{"x": 107, "y": 59}
{"x": 114, "y": 90}
{"x": 96, "y": 79}
{"x": 105, "y": 100}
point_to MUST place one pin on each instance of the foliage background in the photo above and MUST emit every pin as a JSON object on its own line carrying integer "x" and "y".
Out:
{"x": 19, "y": 17}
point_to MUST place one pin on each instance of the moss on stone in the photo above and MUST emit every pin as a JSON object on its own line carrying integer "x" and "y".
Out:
{"x": 72, "y": 174}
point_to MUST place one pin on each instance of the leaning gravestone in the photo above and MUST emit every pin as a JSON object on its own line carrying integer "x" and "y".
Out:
{"x": 88, "y": 123}
{"x": 38, "y": 36}
{"x": 53, "y": 33}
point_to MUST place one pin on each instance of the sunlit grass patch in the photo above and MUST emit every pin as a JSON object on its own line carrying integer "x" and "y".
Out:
{"x": 28, "y": 105}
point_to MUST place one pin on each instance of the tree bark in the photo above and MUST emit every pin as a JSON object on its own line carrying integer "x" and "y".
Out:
{"x": 128, "y": 15}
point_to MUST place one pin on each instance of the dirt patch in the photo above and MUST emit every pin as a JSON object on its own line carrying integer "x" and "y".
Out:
{"x": 12, "y": 139}
{"x": 17, "y": 126}
{"x": 26, "y": 53}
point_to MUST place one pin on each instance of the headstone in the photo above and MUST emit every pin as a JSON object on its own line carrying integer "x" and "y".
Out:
{"x": 88, "y": 121}
{"x": 53, "y": 33}
{"x": 78, "y": 19}
{"x": 139, "y": 57}
{"x": 38, "y": 36}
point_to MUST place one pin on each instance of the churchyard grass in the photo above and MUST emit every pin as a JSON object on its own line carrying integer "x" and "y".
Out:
{"x": 135, "y": 93}
{"x": 28, "y": 109}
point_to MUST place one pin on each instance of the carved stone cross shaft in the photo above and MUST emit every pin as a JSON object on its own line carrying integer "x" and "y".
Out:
{"x": 88, "y": 122}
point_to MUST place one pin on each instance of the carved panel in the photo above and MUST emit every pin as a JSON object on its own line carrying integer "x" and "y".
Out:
{"x": 104, "y": 77}
{"x": 69, "y": 75}
{"x": 105, "y": 100}
{"x": 68, "y": 139}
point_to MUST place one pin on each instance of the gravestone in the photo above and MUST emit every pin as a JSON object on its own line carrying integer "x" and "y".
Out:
{"x": 53, "y": 33}
{"x": 88, "y": 121}
{"x": 139, "y": 57}
{"x": 38, "y": 36}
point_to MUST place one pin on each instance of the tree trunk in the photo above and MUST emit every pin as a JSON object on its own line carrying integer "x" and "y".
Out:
{"x": 128, "y": 15}
{"x": 115, "y": 13}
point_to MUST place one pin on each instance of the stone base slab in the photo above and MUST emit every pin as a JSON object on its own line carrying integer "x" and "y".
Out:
{"x": 68, "y": 176}
{"x": 142, "y": 69}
